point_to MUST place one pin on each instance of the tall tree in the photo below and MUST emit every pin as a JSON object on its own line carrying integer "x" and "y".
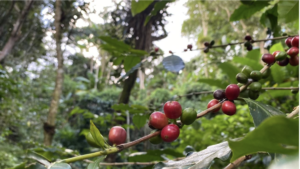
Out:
{"x": 49, "y": 126}
{"x": 15, "y": 34}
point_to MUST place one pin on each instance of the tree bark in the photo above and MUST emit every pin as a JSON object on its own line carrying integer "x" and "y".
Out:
{"x": 15, "y": 34}
{"x": 49, "y": 126}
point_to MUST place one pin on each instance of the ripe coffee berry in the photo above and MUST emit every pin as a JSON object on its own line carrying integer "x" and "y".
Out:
{"x": 158, "y": 120}
{"x": 212, "y": 103}
{"x": 219, "y": 94}
{"x": 294, "y": 61}
{"x": 156, "y": 49}
{"x": 284, "y": 62}
{"x": 206, "y": 50}
{"x": 206, "y": 44}
{"x": 275, "y": 53}
{"x": 293, "y": 51}
{"x": 172, "y": 109}
{"x": 190, "y": 46}
{"x": 185, "y": 50}
{"x": 268, "y": 58}
{"x": 288, "y": 41}
{"x": 232, "y": 91}
{"x": 170, "y": 133}
{"x": 295, "y": 41}
{"x": 248, "y": 38}
{"x": 117, "y": 135}
{"x": 228, "y": 108}
{"x": 249, "y": 48}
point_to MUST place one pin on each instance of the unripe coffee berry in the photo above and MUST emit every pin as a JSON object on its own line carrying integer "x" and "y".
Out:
{"x": 241, "y": 78}
{"x": 255, "y": 75}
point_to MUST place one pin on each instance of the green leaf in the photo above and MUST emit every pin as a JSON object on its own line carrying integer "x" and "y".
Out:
{"x": 120, "y": 107}
{"x": 97, "y": 135}
{"x": 254, "y": 55}
{"x": 230, "y": 70}
{"x": 139, "y": 6}
{"x": 59, "y": 166}
{"x": 120, "y": 45}
{"x": 139, "y": 120}
{"x": 278, "y": 73}
{"x": 95, "y": 164}
{"x": 288, "y": 11}
{"x": 130, "y": 62}
{"x": 270, "y": 18}
{"x": 275, "y": 135}
{"x": 260, "y": 111}
{"x": 20, "y": 166}
{"x": 246, "y": 11}
{"x": 214, "y": 82}
{"x": 38, "y": 157}
{"x": 157, "y": 7}
{"x": 276, "y": 47}
{"x": 246, "y": 61}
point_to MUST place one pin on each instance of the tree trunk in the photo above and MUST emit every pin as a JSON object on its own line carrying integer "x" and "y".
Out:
{"x": 49, "y": 126}
{"x": 15, "y": 34}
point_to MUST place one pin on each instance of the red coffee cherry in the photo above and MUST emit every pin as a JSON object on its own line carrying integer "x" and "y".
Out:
{"x": 172, "y": 109}
{"x": 206, "y": 44}
{"x": 294, "y": 61}
{"x": 190, "y": 46}
{"x": 212, "y": 103}
{"x": 156, "y": 49}
{"x": 158, "y": 120}
{"x": 232, "y": 91}
{"x": 117, "y": 135}
{"x": 219, "y": 94}
{"x": 248, "y": 38}
{"x": 284, "y": 62}
{"x": 293, "y": 51}
{"x": 275, "y": 53}
{"x": 228, "y": 108}
{"x": 288, "y": 41}
{"x": 268, "y": 58}
{"x": 295, "y": 41}
{"x": 170, "y": 133}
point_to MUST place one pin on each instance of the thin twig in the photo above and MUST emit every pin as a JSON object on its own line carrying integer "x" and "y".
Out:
{"x": 264, "y": 88}
{"x": 236, "y": 163}
{"x": 137, "y": 163}
{"x": 242, "y": 42}
{"x": 294, "y": 112}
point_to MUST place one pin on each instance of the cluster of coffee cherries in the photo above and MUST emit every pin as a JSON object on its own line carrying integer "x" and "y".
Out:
{"x": 281, "y": 57}
{"x": 248, "y": 74}
{"x": 170, "y": 131}
{"x": 231, "y": 93}
{"x": 248, "y": 43}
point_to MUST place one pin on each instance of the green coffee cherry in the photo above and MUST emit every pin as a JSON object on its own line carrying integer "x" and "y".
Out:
{"x": 241, "y": 78}
{"x": 266, "y": 74}
{"x": 280, "y": 56}
{"x": 255, "y": 75}
{"x": 255, "y": 86}
{"x": 244, "y": 94}
{"x": 295, "y": 91}
{"x": 253, "y": 95}
{"x": 247, "y": 70}
{"x": 155, "y": 140}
